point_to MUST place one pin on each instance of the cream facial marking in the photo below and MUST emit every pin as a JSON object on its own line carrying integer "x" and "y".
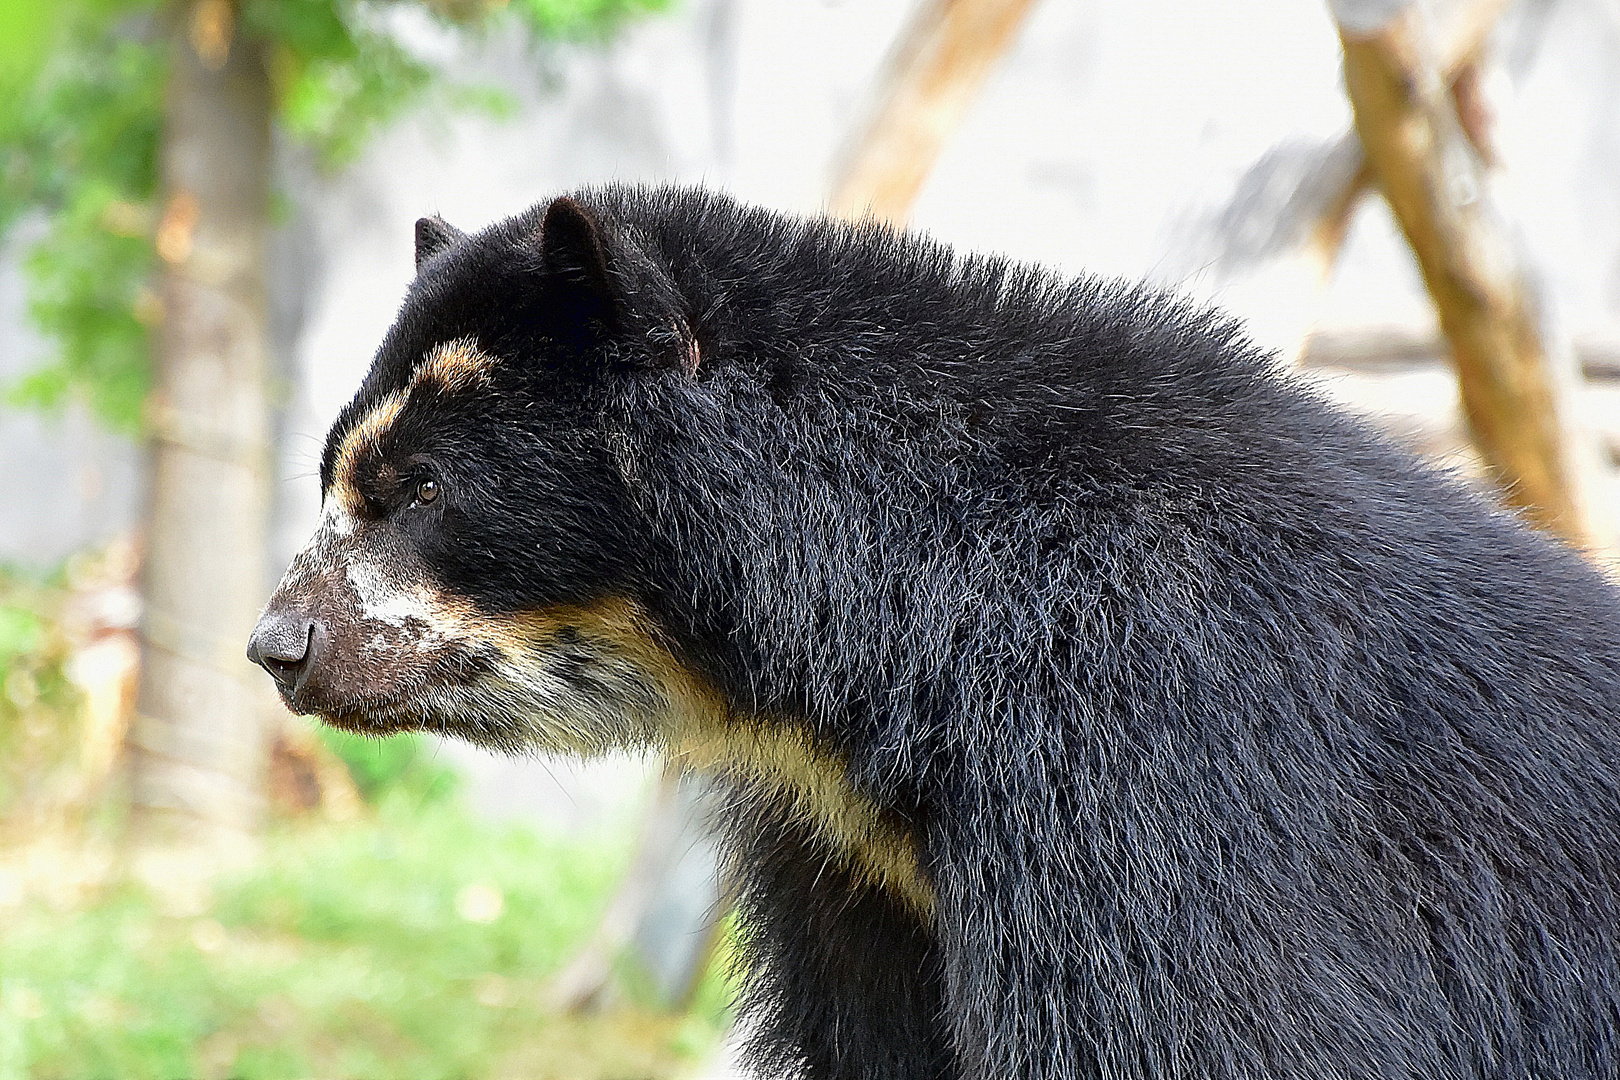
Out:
{"x": 321, "y": 551}
{"x": 381, "y": 629}
{"x": 381, "y": 601}
{"x": 335, "y": 520}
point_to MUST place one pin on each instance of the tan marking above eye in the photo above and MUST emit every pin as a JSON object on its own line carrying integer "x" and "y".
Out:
{"x": 454, "y": 365}
{"x": 365, "y": 435}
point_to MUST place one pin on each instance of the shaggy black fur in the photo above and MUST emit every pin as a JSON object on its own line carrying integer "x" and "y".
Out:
{"x": 1236, "y": 744}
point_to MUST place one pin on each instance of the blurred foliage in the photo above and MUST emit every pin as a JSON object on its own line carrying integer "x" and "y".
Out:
{"x": 39, "y": 716}
{"x": 81, "y": 116}
{"x": 412, "y": 944}
{"x": 78, "y": 144}
{"x": 402, "y": 764}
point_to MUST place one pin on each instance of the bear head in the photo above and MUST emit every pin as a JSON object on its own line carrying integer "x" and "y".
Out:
{"x": 477, "y": 556}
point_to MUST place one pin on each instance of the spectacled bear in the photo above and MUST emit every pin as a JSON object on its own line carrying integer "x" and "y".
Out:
{"x": 1093, "y": 699}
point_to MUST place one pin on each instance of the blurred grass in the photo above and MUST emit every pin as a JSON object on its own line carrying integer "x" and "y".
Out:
{"x": 412, "y": 942}
{"x": 403, "y": 765}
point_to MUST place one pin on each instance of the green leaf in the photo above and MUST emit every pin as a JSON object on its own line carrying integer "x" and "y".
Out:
{"x": 583, "y": 18}
{"x": 25, "y": 36}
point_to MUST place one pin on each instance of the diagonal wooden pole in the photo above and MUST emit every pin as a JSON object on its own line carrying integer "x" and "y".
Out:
{"x": 1462, "y": 37}
{"x": 933, "y": 75}
{"x": 1514, "y": 391}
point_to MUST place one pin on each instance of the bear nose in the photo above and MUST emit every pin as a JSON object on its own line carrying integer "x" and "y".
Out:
{"x": 283, "y": 644}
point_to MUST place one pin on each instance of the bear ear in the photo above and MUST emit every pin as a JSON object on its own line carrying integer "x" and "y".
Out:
{"x": 574, "y": 247}
{"x": 433, "y": 235}
{"x": 581, "y": 301}
{"x": 603, "y": 285}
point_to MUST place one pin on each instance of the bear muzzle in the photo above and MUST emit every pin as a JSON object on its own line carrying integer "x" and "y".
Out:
{"x": 358, "y": 633}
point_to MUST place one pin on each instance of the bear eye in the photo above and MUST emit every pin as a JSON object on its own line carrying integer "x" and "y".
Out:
{"x": 427, "y": 491}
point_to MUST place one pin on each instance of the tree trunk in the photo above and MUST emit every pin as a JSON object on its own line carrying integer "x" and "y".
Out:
{"x": 932, "y": 76}
{"x": 198, "y": 743}
{"x": 1514, "y": 392}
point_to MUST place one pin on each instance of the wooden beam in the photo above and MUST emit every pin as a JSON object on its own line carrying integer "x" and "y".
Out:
{"x": 1302, "y": 199}
{"x": 941, "y": 59}
{"x": 1462, "y": 36}
{"x": 1434, "y": 181}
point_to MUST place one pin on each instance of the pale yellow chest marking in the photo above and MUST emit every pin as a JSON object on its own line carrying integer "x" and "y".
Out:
{"x": 776, "y": 757}
{"x": 783, "y": 760}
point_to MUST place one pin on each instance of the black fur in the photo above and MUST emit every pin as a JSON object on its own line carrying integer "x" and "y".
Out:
{"x": 846, "y": 982}
{"x": 1236, "y": 744}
